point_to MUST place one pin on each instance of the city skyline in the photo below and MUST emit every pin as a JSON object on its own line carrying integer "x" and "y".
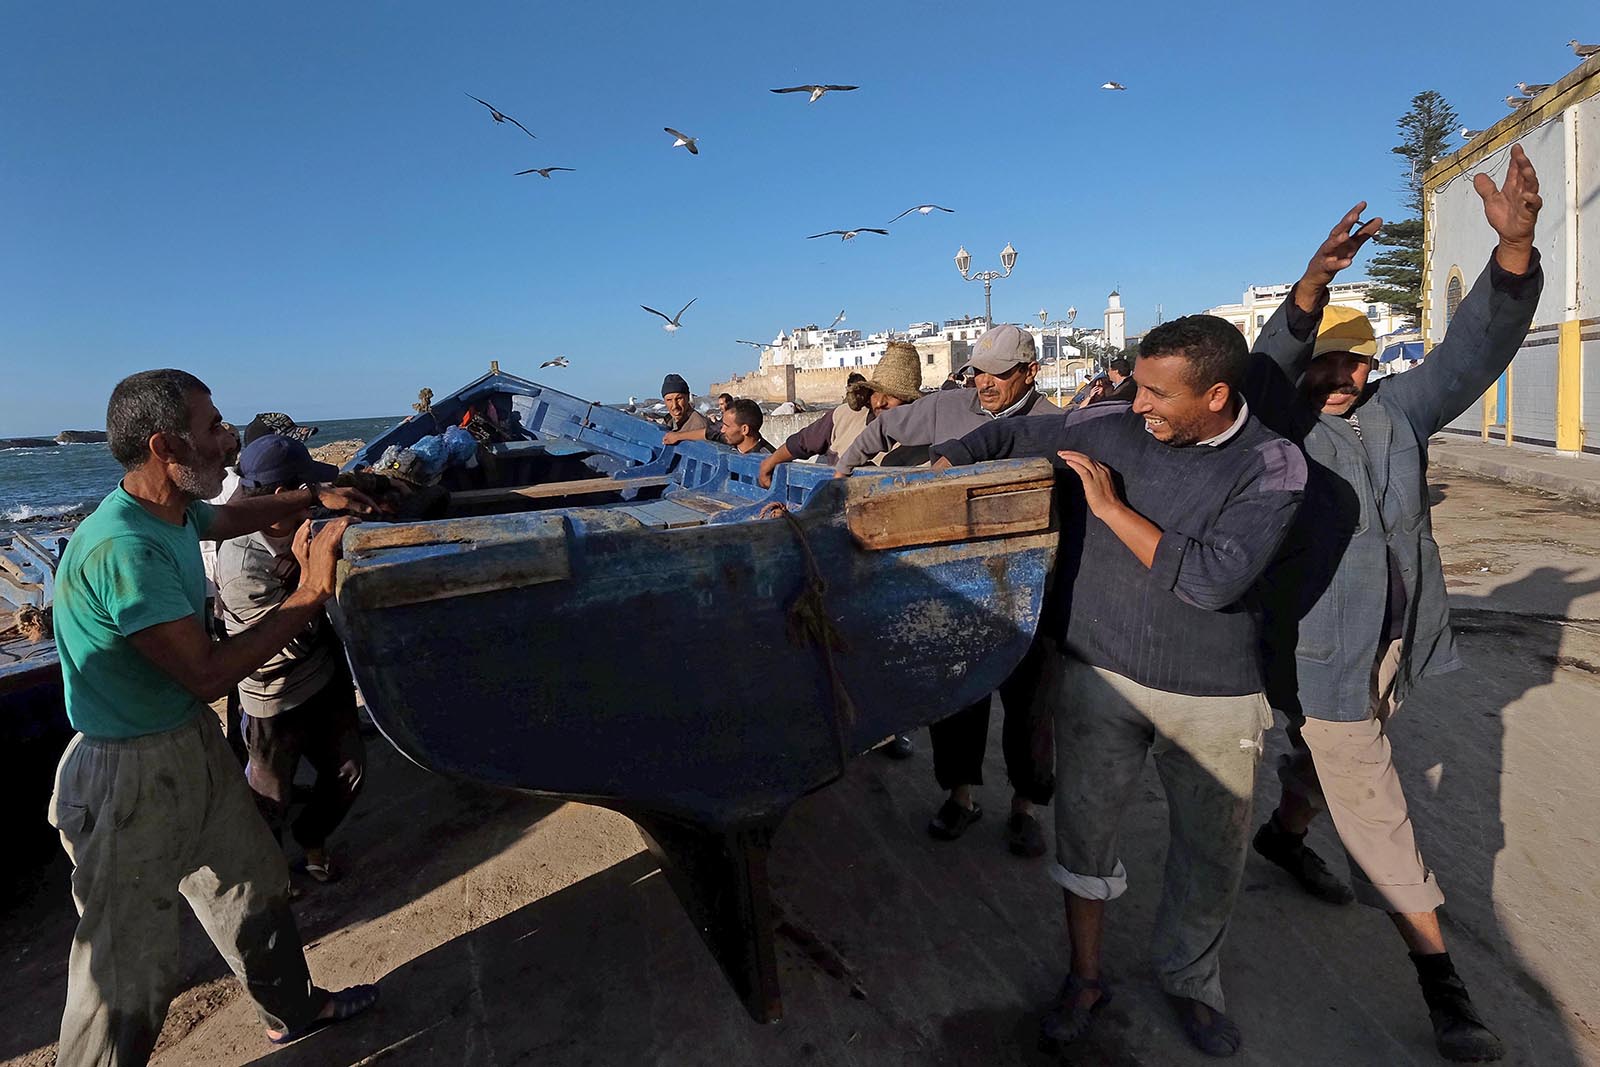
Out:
{"x": 306, "y": 210}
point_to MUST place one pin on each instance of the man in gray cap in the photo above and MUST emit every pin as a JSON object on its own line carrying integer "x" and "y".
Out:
{"x": 1006, "y": 363}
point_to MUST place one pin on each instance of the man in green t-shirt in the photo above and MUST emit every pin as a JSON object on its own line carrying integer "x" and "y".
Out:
{"x": 149, "y": 801}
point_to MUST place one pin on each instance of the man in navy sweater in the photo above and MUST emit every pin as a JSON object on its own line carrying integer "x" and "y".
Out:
{"x": 1174, "y": 505}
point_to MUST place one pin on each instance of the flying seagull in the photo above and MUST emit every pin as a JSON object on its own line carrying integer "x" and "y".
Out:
{"x": 1115, "y": 85}
{"x": 1467, "y": 135}
{"x": 845, "y": 235}
{"x": 673, "y": 325}
{"x": 921, "y": 209}
{"x": 1514, "y": 102}
{"x": 816, "y": 91}
{"x": 500, "y": 116}
{"x": 1583, "y": 51}
{"x": 543, "y": 172}
{"x": 752, "y": 344}
{"x": 685, "y": 140}
{"x": 559, "y": 361}
{"x": 1532, "y": 90}
{"x": 837, "y": 319}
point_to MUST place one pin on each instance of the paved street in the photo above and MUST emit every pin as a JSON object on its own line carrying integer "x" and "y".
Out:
{"x": 510, "y": 930}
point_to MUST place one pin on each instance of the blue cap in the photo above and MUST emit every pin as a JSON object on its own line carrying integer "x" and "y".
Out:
{"x": 276, "y": 460}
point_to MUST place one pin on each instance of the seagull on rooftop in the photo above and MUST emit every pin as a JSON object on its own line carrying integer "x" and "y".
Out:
{"x": 846, "y": 235}
{"x": 559, "y": 361}
{"x": 684, "y": 140}
{"x": 1514, "y": 102}
{"x": 1531, "y": 90}
{"x": 921, "y": 209}
{"x": 673, "y": 325}
{"x": 501, "y": 116}
{"x": 1583, "y": 51}
{"x": 1467, "y": 135}
{"x": 1118, "y": 86}
{"x": 543, "y": 172}
{"x": 837, "y": 319}
{"x": 816, "y": 91}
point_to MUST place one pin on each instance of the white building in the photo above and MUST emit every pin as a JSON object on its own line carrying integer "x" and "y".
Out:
{"x": 1260, "y": 301}
{"x": 1550, "y": 395}
{"x": 1116, "y": 321}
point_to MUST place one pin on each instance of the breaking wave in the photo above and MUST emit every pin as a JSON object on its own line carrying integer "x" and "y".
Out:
{"x": 29, "y": 513}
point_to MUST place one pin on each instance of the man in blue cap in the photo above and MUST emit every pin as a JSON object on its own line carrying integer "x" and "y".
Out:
{"x": 300, "y": 703}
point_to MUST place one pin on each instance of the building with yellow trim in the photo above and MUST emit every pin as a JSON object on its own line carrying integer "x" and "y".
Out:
{"x": 1550, "y": 395}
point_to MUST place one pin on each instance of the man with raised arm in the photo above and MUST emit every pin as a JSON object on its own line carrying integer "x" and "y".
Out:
{"x": 1356, "y": 611}
{"x": 149, "y": 801}
{"x": 1173, "y": 506}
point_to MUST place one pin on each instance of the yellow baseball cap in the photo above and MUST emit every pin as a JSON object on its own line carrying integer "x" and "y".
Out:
{"x": 1345, "y": 330}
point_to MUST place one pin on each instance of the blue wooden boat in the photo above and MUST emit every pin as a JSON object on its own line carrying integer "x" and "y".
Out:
{"x": 33, "y": 715}
{"x": 643, "y": 627}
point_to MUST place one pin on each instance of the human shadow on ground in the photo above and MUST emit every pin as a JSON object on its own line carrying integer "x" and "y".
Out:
{"x": 1453, "y": 766}
{"x": 390, "y": 861}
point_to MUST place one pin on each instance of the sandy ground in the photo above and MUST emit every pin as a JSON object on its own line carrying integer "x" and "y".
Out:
{"x": 509, "y": 930}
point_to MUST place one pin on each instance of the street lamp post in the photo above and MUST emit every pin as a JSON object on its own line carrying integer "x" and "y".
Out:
{"x": 1072, "y": 313}
{"x": 1008, "y": 259}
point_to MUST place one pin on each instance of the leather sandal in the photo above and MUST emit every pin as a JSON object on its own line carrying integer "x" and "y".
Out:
{"x": 1066, "y": 1022}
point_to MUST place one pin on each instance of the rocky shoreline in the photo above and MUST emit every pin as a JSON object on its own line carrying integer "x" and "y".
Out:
{"x": 65, "y": 437}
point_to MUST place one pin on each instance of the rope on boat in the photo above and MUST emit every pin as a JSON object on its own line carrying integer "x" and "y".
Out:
{"x": 808, "y": 623}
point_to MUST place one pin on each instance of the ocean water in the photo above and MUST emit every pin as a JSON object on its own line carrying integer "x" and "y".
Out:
{"x": 41, "y": 484}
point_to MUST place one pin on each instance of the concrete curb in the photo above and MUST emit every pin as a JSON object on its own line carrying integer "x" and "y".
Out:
{"x": 1577, "y": 477}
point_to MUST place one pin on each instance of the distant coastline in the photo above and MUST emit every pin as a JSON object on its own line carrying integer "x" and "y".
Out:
{"x": 65, "y": 437}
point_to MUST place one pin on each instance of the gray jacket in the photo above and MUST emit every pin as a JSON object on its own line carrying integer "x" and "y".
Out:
{"x": 1325, "y": 596}
{"x": 254, "y": 577}
{"x": 947, "y": 415}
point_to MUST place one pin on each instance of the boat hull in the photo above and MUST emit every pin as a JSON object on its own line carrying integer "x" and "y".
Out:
{"x": 702, "y": 679}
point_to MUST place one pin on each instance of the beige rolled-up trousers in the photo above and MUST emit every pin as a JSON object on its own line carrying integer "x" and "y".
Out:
{"x": 148, "y": 822}
{"x": 1347, "y": 769}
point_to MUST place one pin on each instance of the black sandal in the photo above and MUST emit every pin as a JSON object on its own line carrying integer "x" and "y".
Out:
{"x": 1216, "y": 1036}
{"x": 952, "y": 820}
{"x": 346, "y": 1003}
{"x": 1067, "y": 1022}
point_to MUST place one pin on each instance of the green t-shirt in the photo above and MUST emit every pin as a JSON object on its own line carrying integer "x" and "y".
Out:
{"x": 126, "y": 570}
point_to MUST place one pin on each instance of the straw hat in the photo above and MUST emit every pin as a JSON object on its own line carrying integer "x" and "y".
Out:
{"x": 899, "y": 372}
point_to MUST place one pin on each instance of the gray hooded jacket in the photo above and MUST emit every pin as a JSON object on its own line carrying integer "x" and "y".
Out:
{"x": 1366, "y": 496}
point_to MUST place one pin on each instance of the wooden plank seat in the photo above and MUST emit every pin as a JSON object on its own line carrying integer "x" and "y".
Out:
{"x": 556, "y": 490}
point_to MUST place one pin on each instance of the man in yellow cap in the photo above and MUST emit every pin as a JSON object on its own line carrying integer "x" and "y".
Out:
{"x": 1355, "y": 606}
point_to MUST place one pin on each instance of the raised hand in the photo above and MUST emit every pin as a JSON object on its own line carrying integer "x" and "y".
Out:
{"x": 1339, "y": 250}
{"x": 1512, "y": 208}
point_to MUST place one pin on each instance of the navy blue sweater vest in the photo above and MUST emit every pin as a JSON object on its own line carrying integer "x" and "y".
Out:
{"x": 1190, "y": 623}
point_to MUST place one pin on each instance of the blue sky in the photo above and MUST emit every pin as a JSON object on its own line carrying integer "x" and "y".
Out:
{"x": 298, "y": 203}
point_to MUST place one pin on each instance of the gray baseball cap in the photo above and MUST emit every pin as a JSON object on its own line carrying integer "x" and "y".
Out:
{"x": 1000, "y": 348}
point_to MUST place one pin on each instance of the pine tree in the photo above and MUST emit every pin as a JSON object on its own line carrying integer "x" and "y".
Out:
{"x": 1425, "y": 131}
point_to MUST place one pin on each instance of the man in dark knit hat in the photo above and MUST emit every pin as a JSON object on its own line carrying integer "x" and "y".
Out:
{"x": 687, "y": 423}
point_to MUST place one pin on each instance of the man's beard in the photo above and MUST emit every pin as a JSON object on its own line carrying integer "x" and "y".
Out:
{"x": 199, "y": 483}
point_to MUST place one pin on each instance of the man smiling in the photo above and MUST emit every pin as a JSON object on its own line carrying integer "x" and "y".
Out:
{"x": 1185, "y": 498}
